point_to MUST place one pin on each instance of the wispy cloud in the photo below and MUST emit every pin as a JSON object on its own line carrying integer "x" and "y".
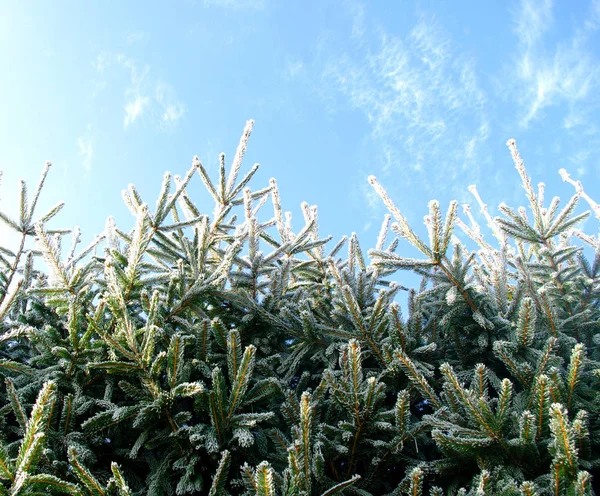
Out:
{"x": 566, "y": 75}
{"x": 579, "y": 161}
{"x": 137, "y": 101}
{"x": 532, "y": 19}
{"x": 293, "y": 68}
{"x": 172, "y": 108}
{"x": 145, "y": 95}
{"x": 86, "y": 151}
{"x": 420, "y": 97}
{"x": 102, "y": 61}
{"x": 173, "y": 112}
{"x": 135, "y": 37}
{"x": 134, "y": 109}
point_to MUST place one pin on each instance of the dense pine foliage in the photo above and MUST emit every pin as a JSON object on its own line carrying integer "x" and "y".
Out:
{"x": 229, "y": 353}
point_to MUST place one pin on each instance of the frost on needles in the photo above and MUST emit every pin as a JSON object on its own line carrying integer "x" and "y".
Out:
{"x": 233, "y": 353}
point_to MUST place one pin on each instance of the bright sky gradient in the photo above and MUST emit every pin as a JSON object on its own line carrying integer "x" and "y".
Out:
{"x": 422, "y": 94}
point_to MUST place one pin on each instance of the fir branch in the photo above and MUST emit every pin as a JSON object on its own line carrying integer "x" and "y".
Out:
{"x": 15, "y": 403}
{"x": 239, "y": 155}
{"x": 263, "y": 480}
{"x": 217, "y": 487}
{"x": 119, "y": 480}
{"x": 85, "y": 476}
{"x": 338, "y": 488}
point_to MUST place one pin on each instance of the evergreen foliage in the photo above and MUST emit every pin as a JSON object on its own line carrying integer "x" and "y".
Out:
{"x": 232, "y": 354}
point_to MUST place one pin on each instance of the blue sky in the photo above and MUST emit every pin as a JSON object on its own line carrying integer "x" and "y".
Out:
{"x": 422, "y": 94}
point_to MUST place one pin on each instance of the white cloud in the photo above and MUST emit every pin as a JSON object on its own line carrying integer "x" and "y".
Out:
{"x": 165, "y": 109}
{"x": 358, "y": 21}
{"x": 568, "y": 77}
{"x": 134, "y": 37}
{"x": 86, "y": 151}
{"x": 101, "y": 62}
{"x": 580, "y": 160}
{"x": 567, "y": 74}
{"x": 371, "y": 196}
{"x": 294, "y": 68}
{"x": 172, "y": 109}
{"x": 532, "y": 19}
{"x": 137, "y": 75}
{"x": 134, "y": 109}
{"x": 173, "y": 112}
{"x": 420, "y": 97}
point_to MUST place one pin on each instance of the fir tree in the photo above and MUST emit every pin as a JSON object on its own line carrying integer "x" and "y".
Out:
{"x": 229, "y": 353}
